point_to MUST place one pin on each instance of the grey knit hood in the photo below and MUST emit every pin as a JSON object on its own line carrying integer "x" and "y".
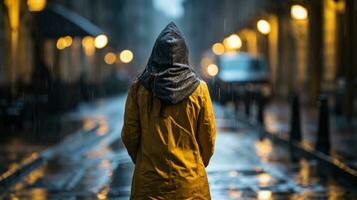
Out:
{"x": 168, "y": 74}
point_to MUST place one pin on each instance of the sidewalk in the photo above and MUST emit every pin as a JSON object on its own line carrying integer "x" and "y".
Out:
{"x": 343, "y": 135}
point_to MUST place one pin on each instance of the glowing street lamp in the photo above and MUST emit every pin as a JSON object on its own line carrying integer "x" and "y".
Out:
{"x": 298, "y": 12}
{"x": 218, "y": 48}
{"x": 110, "y": 58}
{"x": 101, "y": 41}
{"x": 61, "y": 43}
{"x": 36, "y": 5}
{"x": 64, "y": 42}
{"x": 263, "y": 26}
{"x": 68, "y": 40}
{"x": 126, "y": 56}
{"x": 233, "y": 42}
{"x": 212, "y": 69}
{"x": 88, "y": 45}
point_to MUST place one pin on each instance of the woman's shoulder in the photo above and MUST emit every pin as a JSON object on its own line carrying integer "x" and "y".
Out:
{"x": 201, "y": 90}
{"x": 136, "y": 88}
{"x": 203, "y": 84}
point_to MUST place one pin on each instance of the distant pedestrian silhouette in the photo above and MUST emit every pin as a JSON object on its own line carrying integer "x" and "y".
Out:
{"x": 169, "y": 127}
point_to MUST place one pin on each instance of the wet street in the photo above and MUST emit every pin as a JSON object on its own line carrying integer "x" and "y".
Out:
{"x": 282, "y": 76}
{"x": 92, "y": 163}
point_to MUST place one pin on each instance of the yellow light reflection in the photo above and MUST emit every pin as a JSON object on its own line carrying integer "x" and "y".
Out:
{"x": 263, "y": 149}
{"x": 38, "y": 194}
{"x": 110, "y": 58}
{"x": 88, "y": 124}
{"x": 103, "y": 193}
{"x": 13, "y": 7}
{"x": 264, "y": 195}
{"x": 233, "y": 173}
{"x": 126, "y": 56}
{"x": 101, "y": 41}
{"x": 212, "y": 69}
{"x": 263, "y": 26}
{"x": 102, "y": 152}
{"x": 101, "y": 196}
{"x": 234, "y": 193}
{"x": 110, "y": 174}
{"x": 36, "y": 5}
{"x": 264, "y": 179}
{"x": 218, "y": 48}
{"x": 88, "y": 45}
{"x": 105, "y": 163}
{"x": 31, "y": 178}
{"x": 233, "y": 42}
{"x": 13, "y": 58}
{"x": 298, "y": 12}
{"x": 304, "y": 173}
{"x": 103, "y": 127}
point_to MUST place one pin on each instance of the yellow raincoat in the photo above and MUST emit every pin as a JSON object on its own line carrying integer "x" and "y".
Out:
{"x": 172, "y": 149}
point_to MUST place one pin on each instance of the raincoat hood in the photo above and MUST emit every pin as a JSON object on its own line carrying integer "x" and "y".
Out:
{"x": 168, "y": 74}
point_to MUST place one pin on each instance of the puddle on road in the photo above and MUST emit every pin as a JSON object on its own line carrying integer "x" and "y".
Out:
{"x": 266, "y": 171}
{"x": 17, "y": 146}
{"x": 277, "y": 176}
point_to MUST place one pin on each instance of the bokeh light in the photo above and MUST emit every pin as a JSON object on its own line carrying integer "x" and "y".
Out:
{"x": 101, "y": 41}
{"x": 110, "y": 58}
{"x": 233, "y": 42}
{"x": 68, "y": 41}
{"x": 212, "y": 69}
{"x": 263, "y": 26}
{"x": 61, "y": 43}
{"x": 218, "y": 48}
{"x": 88, "y": 45}
{"x": 298, "y": 12}
{"x": 64, "y": 42}
{"x": 126, "y": 56}
{"x": 36, "y": 5}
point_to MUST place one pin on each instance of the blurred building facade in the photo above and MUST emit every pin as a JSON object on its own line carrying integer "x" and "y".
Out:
{"x": 210, "y": 22}
{"x": 64, "y": 73}
{"x": 309, "y": 54}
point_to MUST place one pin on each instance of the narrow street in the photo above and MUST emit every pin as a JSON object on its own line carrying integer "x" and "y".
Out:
{"x": 93, "y": 164}
{"x": 282, "y": 76}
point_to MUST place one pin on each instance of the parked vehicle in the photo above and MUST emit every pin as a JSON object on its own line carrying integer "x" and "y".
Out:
{"x": 240, "y": 75}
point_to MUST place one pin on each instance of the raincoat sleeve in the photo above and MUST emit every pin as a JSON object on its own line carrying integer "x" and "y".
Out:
{"x": 206, "y": 135}
{"x": 131, "y": 131}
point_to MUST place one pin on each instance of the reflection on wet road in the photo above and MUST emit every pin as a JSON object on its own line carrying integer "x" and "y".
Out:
{"x": 92, "y": 164}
